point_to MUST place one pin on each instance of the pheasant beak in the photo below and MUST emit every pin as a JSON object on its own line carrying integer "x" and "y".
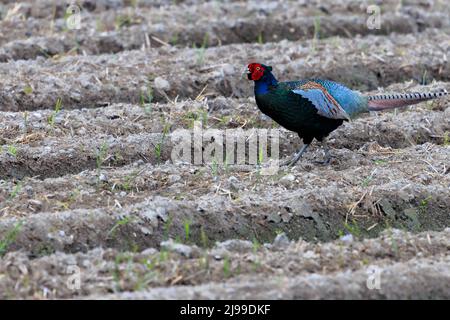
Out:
{"x": 246, "y": 74}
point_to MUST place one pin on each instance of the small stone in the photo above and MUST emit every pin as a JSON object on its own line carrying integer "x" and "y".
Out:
{"x": 182, "y": 249}
{"x": 274, "y": 217}
{"x": 387, "y": 208}
{"x": 146, "y": 231}
{"x": 174, "y": 178}
{"x": 75, "y": 96}
{"x": 86, "y": 263}
{"x": 310, "y": 254}
{"x": 287, "y": 180}
{"x": 281, "y": 240}
{"x": 228, "y": 69}
{"x": 235, "y": 245}
{"x": 286, "y": 216}
{"x": 149, "y": 251}
{"x": 81, "y": 131}
{"x": 347, "y": 238}
{"x": 138, "y": 163}
{"x": 29, "y": 190}
{"x": 34, "y": 205}
{"x": 162, "y": 84}
{"x": 103, "y": 178}
{"x": 301, "y": 208}
{"x": 51, "y": 236}
{"x": 234, "y": 183}
{"x": 220, "y": 103}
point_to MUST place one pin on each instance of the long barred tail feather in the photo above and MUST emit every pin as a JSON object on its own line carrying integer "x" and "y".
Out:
{"x": 391, "y": 101}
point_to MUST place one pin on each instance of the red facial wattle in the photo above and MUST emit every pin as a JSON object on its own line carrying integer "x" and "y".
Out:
{"x": 256, "y": 71}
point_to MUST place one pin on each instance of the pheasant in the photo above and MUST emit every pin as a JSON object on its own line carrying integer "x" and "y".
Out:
{"x": 314, "y": 108}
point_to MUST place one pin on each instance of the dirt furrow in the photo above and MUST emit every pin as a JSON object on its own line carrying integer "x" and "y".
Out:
{"x": 57, "y": 9}
{"x": 73, "y": 155}
{"x": 125, "y": 119}
{"x": 54, "y": 10}
{"x": 37, "y": 155}
{"x": 120, "y": 31}
{"x": 183, "y": 265}
{"x": 167, "y": 72}
{"x": 104, "y": 186}
{"x": 319, "y": 212}
{"x": 427, "y": 279}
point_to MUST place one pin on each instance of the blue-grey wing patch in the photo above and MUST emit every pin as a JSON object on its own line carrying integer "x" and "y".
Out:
{"x": 324, "y": 102}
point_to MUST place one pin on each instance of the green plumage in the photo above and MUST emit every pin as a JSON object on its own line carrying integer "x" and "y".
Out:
{"x": 294, "y": 112}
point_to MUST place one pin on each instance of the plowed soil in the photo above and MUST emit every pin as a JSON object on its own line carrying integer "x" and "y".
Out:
{"x": 92, "y": 205}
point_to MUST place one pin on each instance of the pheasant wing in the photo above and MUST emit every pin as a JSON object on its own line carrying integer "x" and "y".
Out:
{"x": 326, "y": 105}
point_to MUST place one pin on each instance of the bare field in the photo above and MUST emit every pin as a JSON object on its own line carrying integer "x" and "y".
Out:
{"x": 89, "y": 191}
